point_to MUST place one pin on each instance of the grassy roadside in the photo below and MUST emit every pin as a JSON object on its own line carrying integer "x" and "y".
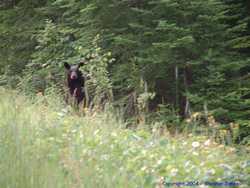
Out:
{"x": 42, "y": 144}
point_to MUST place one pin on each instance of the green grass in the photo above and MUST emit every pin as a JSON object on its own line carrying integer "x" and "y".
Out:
{"x": 44, "y": 144}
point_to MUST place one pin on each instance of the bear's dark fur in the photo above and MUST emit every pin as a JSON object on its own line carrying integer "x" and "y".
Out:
{"x": 75, "y": 82}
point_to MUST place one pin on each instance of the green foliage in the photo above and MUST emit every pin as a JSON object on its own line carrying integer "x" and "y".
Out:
{"x": 99, "y": 86}
{"x": 168, "y": 117}
{"x": 192, "y": 55}
{"x": 238, "y": 18}
{"x": 46, "y": 68}
{"x": 18, "y": 26}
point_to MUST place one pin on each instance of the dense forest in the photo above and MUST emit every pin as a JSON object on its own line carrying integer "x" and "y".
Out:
{"x": 170, "y": 61}
{"x": 124, "y": 93}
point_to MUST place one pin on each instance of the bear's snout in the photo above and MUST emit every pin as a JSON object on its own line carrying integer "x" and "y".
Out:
{"x": 73, "y": 76}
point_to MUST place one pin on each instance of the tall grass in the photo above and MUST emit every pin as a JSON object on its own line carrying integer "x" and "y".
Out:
{"x": 44, "y": 144}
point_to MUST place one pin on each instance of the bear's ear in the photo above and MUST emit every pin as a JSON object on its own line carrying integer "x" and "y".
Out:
{"x": 66, "y": 65}
{"x": 81, "y": 63}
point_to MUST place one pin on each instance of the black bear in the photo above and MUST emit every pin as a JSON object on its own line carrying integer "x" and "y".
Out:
{"x": 75, "y": 82}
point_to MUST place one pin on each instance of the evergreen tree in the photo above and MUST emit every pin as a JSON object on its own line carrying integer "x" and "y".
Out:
{"x": 181, "y": 55}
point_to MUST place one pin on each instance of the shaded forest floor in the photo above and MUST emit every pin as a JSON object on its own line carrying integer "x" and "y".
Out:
{"x": 44, "y": 144}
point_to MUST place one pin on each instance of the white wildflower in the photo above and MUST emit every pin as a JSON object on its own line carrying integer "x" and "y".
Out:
{"x": 65, "y": 110}
{"x": 143, "y": 168}
{"x": 211, "y": 172}
{"x": 125, "y": 152}
{"x": 202, "y": 164}
{"x": 60, "y": 114}
{"x": 187, "y": 164}
{"x": 207, "y": 142}
{"x": 159, "y": 162}
{"x": 195, "y": 153}
{"x": 195, "y": 144}
{"x": 174, "y": 172}
{"x": 73, "y": 131}
{"x": 81, "y": 135}
{"x": 96, "y": 132}
{"x": 184, "y": 143}
{"x": 114, "y": 134}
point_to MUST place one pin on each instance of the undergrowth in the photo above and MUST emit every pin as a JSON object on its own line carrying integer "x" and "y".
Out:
{"x": 45, "y": 144}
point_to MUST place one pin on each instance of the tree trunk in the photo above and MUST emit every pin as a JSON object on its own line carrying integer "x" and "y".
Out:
{"x": 176, "y": 87}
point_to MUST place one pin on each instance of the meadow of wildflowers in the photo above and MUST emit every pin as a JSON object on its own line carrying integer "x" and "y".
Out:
{"x": 45, "y": 144}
